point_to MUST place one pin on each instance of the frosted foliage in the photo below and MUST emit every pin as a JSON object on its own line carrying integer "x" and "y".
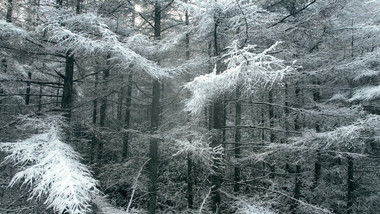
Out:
{"x": 253, "y": 209}
{"x": 246, "y": 69}
{"x": 11, "y": 31}
{"x": 346, "y": 137}
{"x": 52, "y": 168}
{"x": 88, "y": 34}
{"x": 200, "y": 151}
{"x": 366, "y": 93}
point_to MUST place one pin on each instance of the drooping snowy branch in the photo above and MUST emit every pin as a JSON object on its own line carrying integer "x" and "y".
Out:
{"x": 9, "y": 31}
{"x": 89, "y": 34}
{"x": 51, "y": 168}
{"x": 246, "y": 69}
{"x": 366, "y": 93}
{"x": 352, "y": 137}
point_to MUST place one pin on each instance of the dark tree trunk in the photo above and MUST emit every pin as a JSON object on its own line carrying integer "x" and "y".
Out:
{"x": 237, "y": 170}
{"x": 40, "y": 99}
{"x": 216, "y": 177}
{"x": 350, "y": 185}
{"x": 190, "y": 182}
{"x": 4, "y": 68}
{"x": 27, "y": 96}
{"x": 9, "y": 11}
{"x": 59, "y": 3}
{"x": 297, "y": 189}
{"x": 271, "y": 115}
{"x": 155, "y": 117}
{"x": 128, "y": 103}
{"x": 317, "y": 164}
{"x": 103, "y": 110}
{"x": 120, "y": 100}
{"x": 78, "y": 8}
{"x": 67, "y": 96}
{"x": 153, "y": 148}
{"x": 95, "y": 102}
{"x": 271, "y": 125}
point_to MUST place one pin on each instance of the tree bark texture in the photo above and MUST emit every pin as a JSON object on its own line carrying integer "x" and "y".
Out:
{"x": 103, "y": 109}
{"x": 237, "y": 149}
{"x": 297, "y": 189}
{"x": 27, "y": 96}
{"x": 155, "y": 117}
{"x": 9, "y": 11}
{"x": 217, "y": 124}
{"x": 67, "y": 96}
{"x": 127, "y": 121}
{"x": 350, "y": 185}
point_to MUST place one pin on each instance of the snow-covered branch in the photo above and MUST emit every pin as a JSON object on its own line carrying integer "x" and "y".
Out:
{"x": 51, "y": 168}
{"x": 245, "y": 69}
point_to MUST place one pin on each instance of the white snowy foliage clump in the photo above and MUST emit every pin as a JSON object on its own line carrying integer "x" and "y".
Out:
{"x": 51, "y": 168}
{"x": 10, "y": 31}
{"x": 344, "y": 138}
{"x": 366, "y": 93}
{"x": 253, "y": 209}
{"x": 246, "y": 69}
{"x": 200, "y": 150}
{"x": 245, "y": 205}
{"x": 89, "y": 34}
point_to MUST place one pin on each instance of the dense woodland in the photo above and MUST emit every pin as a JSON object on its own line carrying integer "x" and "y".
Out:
{"x": 190, "y": 106}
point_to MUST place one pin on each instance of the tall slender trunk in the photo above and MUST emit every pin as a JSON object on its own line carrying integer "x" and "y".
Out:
{"x": 237, "y": 150}
{"x": 120, "y": 102}
{"x": 298, "y": 181}
{"x": 190, "y": 182}
{"x": 297, "y": 189}
{"x": 67, "y": 96}
{"x": 103, "y": 109}
{"x": 4, "y": 69}
{"x": 78, "y": 8}
{"x": 350, "y": 185}
{"x": 271, "y": 115}
{"x": 317, "y": 164}
{"x": 190, "y": 173}
{"x": 216, "y": 177}
{"x": 27, "y": 95}
{"x": 40, "y": 99}
{"x": 9, "y": 11}
{"x": 271, "y": 125}
{"x": 155, "y": 117}
{"x": 128, "y": 103}
{"x": 95, "y": 102}
{"x": 4, "y": 65}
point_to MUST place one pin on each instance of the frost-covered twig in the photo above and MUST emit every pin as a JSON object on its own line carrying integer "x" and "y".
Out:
{"x": 135, "y": 185}
{"x": 204, "y": 201}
